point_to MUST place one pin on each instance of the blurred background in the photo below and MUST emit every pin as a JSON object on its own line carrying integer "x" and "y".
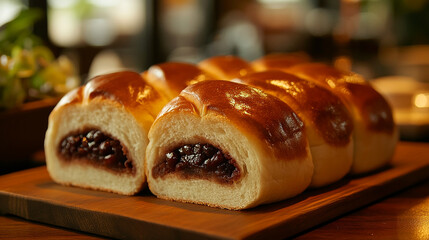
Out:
{"x": 48, "y": 47}
{"x": 99, "y": 35}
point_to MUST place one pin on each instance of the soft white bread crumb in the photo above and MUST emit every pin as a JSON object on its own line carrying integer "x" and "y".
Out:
{"x": 110, "y": 118}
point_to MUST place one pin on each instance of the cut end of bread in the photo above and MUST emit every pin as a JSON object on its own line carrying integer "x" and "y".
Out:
{"x": 109, "y": 118}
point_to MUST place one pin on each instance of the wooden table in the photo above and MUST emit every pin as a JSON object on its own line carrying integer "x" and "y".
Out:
{"x": 402, "y": 215}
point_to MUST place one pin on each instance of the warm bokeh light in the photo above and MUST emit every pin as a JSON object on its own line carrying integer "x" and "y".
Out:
{"x": 421, "y": 100}
{"x": 93, "y": 22}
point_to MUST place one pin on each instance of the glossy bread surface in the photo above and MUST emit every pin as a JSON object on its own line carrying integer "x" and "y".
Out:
{"x": 326, "y": 111}
{"x": 175, "y": 76}
{"x": 128, "y": 88}
{"x": 373, "y": 108}
{"x": 253, "y": 110}
{"x": 226, "y": 67}
{"x": 279, "y": 61}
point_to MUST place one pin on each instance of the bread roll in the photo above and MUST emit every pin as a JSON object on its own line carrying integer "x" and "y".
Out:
{"x": 327, "y": 122}
{"x": 97, "y": 134}
{"x": 226, "y": 67}
{"x": 375, "y": 134}
{"x": 172, "y": 77}
{"x": 227, "y": 145}
{"x": 279, "y": 61}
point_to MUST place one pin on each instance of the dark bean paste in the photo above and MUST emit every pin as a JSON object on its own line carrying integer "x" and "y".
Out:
{"x": 198, "y": 161}
{"x": 97, "y": 148}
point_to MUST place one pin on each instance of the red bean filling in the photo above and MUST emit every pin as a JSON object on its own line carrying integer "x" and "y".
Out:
{"x": 96, "y": 147}
{"x": 199, "y": 160}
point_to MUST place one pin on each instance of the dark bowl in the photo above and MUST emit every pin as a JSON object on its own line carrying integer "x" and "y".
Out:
{"x": 22, "y": 133}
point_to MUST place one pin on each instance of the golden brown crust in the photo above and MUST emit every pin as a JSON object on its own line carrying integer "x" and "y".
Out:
{"x": 74, "y": 96}
{"x": 279, "y": 61}
{"x": 247, "y": 108}
{"x": 317, "y": 72}
{"x": 226, "y": 67}
{"x": 372, "y": 107}
{"x": 126, "y": 87}
{"x": 326, "y": 111}
{"x": 172, "y": 77}
{"x": 178, "y": 104}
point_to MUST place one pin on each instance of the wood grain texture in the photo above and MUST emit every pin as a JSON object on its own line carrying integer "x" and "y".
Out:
{"x": 12, "y": 228}
{"x": 31, "y": 194}
{"x": 402, "y": 216}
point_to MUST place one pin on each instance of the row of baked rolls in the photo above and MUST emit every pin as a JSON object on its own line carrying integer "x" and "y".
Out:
{"x": 327, "y": 121}
{"x": 330, "y": 113}
{"x": 374, "y": 132}
{"x": 97, "y": 134}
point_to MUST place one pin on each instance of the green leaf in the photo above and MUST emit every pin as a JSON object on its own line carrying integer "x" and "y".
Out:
{"x": 18, "y": 28}
{"x": 12, "y": 94}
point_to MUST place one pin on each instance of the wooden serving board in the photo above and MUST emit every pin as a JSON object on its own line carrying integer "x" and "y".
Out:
{"x": 31, "y": 194}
